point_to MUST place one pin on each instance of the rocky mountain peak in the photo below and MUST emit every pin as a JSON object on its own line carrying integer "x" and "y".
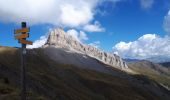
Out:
{"x": 60, "y": 39}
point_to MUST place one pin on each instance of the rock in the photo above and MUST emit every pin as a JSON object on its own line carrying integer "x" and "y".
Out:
{"x": 59, "y": 39}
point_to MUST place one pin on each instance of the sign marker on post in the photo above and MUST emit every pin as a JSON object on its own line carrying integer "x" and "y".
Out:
{"x": 23, "y": 30}
{"x": 25, "y": 42}
{"x": 21, "y": 35}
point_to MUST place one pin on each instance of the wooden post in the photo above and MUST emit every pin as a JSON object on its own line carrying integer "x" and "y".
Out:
{"x": 23, "y": 65}
{"x": 21, "y": 35}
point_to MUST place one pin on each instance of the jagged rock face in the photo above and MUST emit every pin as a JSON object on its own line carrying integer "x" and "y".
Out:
{"x": 58, "y": 38}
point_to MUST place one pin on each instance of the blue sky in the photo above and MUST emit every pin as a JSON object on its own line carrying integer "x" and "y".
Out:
{"x": 121, "y": 26}
{"x": 128, "y": 21}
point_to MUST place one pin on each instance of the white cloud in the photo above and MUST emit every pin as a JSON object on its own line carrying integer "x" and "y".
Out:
{"x": 96, "y": 27}
{"x": 79, "y": 36}
{"x": 146, "y": 4}
{"x": 75, "y": 16}
{"x": 73, "y": 33}
{"x": 83, "y": 36}
{"x": 57, "y": 12}
{"x": 63, "y": 13}
{"x": 149, "y": 45}
{"x": 38, "y": 43}
{"x": 95, "y": 44}
{"x": 167, "y": 23}
{"x": 70, "y": 13}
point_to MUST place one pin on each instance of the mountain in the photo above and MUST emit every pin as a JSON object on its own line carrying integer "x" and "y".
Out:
{"x": 156, "y": 59}
{"x": 59, "y": 39}
{"x": 166, "y": 64}
{"x": 131, "y": 60}
{"x": 65, "y": 69}
{"x": 159, "y": 59}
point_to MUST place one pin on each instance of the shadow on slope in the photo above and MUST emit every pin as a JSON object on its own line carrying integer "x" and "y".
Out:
{"x": 50, "y": 80}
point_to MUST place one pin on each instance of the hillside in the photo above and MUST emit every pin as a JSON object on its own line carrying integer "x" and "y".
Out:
{"x": 154, "y": 71}
{"x": 51, "y": 80}
{"x": 166, "y": 64}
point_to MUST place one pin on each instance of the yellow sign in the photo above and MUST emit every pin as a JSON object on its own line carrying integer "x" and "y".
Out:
{"x": 25, "y": 41}
{"x": 22, "y": 36}
{"x": 24, "y": 30}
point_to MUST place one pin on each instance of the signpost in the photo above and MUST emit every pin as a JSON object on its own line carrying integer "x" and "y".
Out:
{"x": 25, "y": 42}
{"x": 24, "y": 29}
{"x": 21, "y": 35}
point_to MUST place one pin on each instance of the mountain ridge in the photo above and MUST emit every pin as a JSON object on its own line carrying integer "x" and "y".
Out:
{"x": 59, "y": 39}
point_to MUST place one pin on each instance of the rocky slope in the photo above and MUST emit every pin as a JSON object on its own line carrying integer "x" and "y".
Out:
{"x": 50, "y": 80}
{"x": 59, "y": 39}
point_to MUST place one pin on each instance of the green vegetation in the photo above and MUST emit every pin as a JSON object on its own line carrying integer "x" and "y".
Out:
{"x": 146, "y": 68}
{"x": 49, "y": 80}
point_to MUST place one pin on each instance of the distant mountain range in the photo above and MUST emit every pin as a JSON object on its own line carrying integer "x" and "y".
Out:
{"x": 166, "y": 64}
{"x": 131, "y": 60}
{"x": 157, "y": 59}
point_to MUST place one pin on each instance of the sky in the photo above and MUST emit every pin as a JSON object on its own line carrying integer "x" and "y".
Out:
{"x": 135, "y": 29}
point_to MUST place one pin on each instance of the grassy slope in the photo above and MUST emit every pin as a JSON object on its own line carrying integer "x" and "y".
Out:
{"x": 166, "y": 64}
{"x": 145, "y": 68}
{"x": 49, "y": 80}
